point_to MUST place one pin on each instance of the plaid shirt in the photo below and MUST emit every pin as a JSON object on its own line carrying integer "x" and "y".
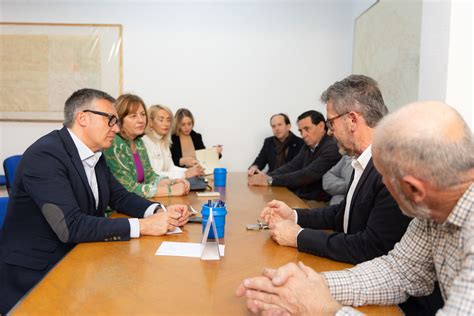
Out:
{"x": 427, "y": 252}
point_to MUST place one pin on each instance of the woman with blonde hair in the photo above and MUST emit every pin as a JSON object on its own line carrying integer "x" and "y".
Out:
{"x": 157, "y": 141}
{"x": 127, "y": 157}
{"x": 185, "y": 141}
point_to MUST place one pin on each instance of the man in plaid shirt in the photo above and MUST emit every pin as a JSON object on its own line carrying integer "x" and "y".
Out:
{"x": 425, "y": 153}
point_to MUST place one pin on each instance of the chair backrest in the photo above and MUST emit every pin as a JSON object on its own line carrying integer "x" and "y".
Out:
{"x": 9, "y": 166}
{"x": 3, "y": 209}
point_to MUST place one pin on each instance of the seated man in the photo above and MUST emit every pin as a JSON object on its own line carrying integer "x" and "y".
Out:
{"x": 429, "y": 169}
{"x": 368, "y": 222}
{"x": 303, "y": 175}
{"x": 279, "y": 149}
{"x": 336, "y": 181}
{"x": 61, "y": 190}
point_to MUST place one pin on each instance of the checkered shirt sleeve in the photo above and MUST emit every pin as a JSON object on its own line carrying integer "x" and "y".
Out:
{"x": 427, "y": 252}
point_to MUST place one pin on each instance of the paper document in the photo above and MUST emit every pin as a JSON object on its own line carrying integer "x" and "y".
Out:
{"x": 183, "y": 249}
{"x": 176, "y": 230}
{"x": 208, "y": 159}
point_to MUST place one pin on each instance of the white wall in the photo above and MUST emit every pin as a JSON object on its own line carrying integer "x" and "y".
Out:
{"x": 446, "y": 55}
{"x": 459, "y": 84}
{"x": 233, "y": 63}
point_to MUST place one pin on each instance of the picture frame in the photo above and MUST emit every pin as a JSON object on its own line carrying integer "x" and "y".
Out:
{"x": 42, "y": 64}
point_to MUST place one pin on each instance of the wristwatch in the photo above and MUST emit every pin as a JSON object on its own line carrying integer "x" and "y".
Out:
{"x": 269, "y": 181}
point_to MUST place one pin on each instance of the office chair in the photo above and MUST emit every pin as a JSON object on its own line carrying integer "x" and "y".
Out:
{"x": 9, "y": 166}
{"x": 3, "y": 210}
{"x": 3, "y": 180}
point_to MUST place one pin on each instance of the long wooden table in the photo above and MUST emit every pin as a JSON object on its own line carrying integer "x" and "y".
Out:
{"x": 126, "y": 278}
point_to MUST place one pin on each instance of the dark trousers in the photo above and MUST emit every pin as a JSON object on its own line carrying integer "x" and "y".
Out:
{"x": 425, "y": 305}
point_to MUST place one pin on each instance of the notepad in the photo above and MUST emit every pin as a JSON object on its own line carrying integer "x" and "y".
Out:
{"x": 205, "y": 250}
{"x": 208, "y": 159}
{"x": 184, "y": 249}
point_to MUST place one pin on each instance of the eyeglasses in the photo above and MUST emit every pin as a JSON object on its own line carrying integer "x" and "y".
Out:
{"x": 330, "y": 122}
{"x": 112, "y": 118}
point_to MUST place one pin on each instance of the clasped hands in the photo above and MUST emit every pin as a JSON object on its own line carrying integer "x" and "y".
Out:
{"x": 281, "y": 221}
{"x": 289, "y": 290}
{"x": 162, "y": 222}
{"x": 257, "y": 177}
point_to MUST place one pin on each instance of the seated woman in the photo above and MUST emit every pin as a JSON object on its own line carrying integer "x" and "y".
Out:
{"x": 127, "y": 157}
{"x": 157, "y": 142}
{"x": 185, "y": 141}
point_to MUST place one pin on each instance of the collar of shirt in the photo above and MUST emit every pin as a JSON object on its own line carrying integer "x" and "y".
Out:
{"x": 463, "y": 207}
{"x": 312, "y": 149}
{"x": 362, "y": 161}
{"x": 85, "y": 154}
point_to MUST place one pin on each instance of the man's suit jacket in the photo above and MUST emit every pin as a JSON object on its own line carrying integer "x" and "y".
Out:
{"x": 51, "y": 171}
{"x": 268, "y": 152}
{"x": 375, "y": 224}
{"x": 303, "y": 175}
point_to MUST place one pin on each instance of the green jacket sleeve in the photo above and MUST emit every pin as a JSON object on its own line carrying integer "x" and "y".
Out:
{"x": 119, "y": 158}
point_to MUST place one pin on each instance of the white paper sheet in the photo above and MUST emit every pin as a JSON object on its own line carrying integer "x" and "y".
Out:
{"x": 183, "y": 249}
{"x": 176, "y": 230}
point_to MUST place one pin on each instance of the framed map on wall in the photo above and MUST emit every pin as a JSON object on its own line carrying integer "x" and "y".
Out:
{"x": 41, "y": 65}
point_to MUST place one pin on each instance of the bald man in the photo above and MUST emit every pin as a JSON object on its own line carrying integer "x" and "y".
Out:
{"x": 428, "y": 167}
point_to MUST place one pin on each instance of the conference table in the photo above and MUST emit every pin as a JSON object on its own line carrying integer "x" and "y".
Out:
{"x": 127, "y": 278}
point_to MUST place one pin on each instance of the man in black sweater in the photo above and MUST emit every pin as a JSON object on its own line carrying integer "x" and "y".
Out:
{"x": 303, "y": 175}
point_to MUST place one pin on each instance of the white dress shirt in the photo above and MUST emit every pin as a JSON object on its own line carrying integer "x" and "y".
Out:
{"x": 359, "y": 165}
{"x": 160, "y": 157}
{"x": 89, "y": 160}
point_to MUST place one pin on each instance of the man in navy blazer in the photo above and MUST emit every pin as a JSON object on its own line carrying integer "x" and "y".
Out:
{"x": 279, "y": 149}
{"x": 368, "y": 222}
{"x": 61, "y": 190}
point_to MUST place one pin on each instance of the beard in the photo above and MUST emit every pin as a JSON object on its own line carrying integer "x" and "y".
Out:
{"x": 342, "y": 150}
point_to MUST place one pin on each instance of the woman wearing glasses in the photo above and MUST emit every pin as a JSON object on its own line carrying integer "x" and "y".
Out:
{"x": 157, "y": 142}
{"x": 127, "y": 158}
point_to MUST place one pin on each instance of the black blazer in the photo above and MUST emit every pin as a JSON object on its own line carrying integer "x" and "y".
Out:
{"x": 375, "y": 224}
{"x": 176, "y": 151}
{"x": 51, "y": 172}
{"x": 304, "y": 174}
{"x": 268, "y": 152}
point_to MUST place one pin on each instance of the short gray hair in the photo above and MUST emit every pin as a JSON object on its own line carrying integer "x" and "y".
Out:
{"x": 79, "y": 100}
{"x": 429, "y": 140}
{"x": 357, "y": 93}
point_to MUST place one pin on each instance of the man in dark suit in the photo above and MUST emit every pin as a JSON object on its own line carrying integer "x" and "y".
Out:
{"x": 368, "y": 222}
{"x": 303, "y": 175}
{"x": 62, "y": 187}
{"x": 279, "y": 149}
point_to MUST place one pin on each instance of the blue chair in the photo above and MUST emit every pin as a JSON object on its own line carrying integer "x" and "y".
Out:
{"x": 9, "y": 166}
{"x": 3, "y": 180}
{"x": 3, "y": 209}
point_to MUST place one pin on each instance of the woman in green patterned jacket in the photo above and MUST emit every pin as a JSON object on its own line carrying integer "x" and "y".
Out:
{"x": 127, "y": 157}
